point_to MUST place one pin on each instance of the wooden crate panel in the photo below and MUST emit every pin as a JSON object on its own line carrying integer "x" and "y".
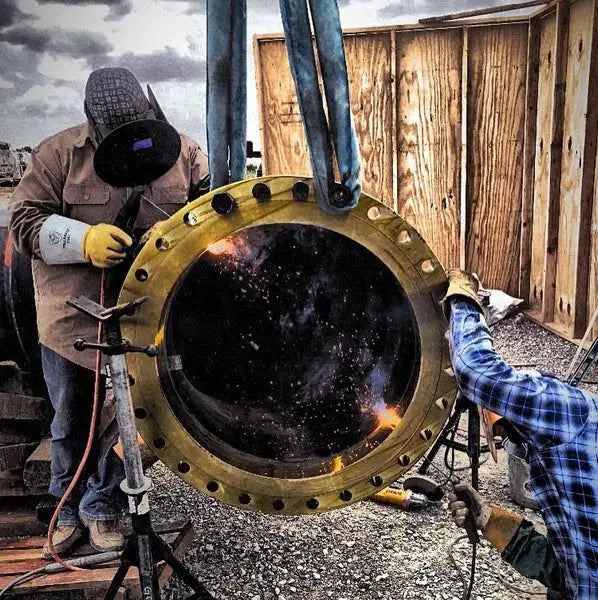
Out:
{"x": 369, "y": 65}
{"x": 284, "y": 147}
{"x": 542, "y": 166}
{"x": 593, "y": 281}
{"x": 574, "y": 128}
{"x": 497, "y": 65}
{"x": 429, "y": 136}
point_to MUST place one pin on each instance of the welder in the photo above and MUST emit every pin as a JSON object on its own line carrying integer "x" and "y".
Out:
{"x": 61, "y": 216}
{"x": 559, "y": 425}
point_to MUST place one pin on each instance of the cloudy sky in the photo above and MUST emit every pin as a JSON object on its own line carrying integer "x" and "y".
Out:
{"x": 48, "y": 48}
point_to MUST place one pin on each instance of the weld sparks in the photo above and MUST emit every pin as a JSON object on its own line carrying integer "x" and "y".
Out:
{"x": 224, "y": 246}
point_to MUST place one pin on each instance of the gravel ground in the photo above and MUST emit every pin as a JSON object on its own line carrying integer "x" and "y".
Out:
{"x": 366, "y": 550}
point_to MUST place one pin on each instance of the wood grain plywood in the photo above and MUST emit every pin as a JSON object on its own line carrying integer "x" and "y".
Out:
{"x": 542, "y": 161}
{"x": 529, "y": 152}
{"x": 284, "y": 147}
{"x": 429, "y": 136}
{"x": 497, "y": 65}
{"x": 593, "y": 282}
{"x": 581, "y": 19}
{"x": 369, "y": 66}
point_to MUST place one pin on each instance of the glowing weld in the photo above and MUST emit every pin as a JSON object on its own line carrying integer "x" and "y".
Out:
{"x": 388, "y": 418}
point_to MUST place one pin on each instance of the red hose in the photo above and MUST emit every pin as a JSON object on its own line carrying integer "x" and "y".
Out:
{"x": 92, "y": 427}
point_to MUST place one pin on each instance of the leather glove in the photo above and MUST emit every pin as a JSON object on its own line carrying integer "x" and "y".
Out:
{"x": 105, "y": 245}
{"x": 459, "y": 510}
{"x": 461, "y": 283}
{"x": 498, "y": 526}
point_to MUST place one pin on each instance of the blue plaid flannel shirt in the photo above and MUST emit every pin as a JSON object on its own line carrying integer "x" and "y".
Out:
{"x": 561, "y": 426}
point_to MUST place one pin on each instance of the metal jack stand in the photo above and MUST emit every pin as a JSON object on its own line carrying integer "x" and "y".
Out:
{"x": 421, "y": 482}
{"x": 144, "y": 548}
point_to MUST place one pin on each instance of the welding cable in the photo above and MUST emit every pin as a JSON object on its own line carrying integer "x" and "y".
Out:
{"x": 87, "y": 561}
{"x": 467, "y": 584}
{"x": 86, "y": 453}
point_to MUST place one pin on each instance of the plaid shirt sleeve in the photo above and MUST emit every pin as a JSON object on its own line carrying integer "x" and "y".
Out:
{"x": 548, "y": 411}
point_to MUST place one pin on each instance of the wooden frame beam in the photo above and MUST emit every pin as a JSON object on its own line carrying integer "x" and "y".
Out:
{"x": 479, "y": 12}
{"x": 529, "y": 154}
{"x": 464, "y": 157}
{"x": 260, "y": 98}
{"x": 556, "y": 154}
{"x": 587, "y": 188}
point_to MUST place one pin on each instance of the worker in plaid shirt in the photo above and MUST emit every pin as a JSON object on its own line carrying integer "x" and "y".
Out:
{"x": 560, "y": 425}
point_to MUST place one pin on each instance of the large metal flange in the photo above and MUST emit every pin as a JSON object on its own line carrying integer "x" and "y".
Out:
{"x": 178, "y": 244}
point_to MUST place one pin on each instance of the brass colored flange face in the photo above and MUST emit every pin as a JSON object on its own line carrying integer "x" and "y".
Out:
{"x": 186, "y": 236}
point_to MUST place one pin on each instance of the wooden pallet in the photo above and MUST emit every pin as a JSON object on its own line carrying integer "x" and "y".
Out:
{"x": 20, "y": 555}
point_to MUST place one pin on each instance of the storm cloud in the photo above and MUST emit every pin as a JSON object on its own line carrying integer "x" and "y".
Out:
{"x": 402, "y": 8}
{"x": 78, "y": 44}
{"x": 162, "y": 65}
{"x": 11, "y": 14}
{"x": 253, "y": 6}
{"x": 117, "y": 8}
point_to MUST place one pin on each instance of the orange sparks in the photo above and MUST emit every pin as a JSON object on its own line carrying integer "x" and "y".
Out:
{"x": 388, "y": 418}
{"x": 337, "y": 464}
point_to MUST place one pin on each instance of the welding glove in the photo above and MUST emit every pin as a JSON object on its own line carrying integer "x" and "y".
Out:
{"x": 105, "y": 245}
{"x": 498, "y": 525}
{"x": 461, "y": 284}
{"x": 64, "y": 241}
{"x": 459, "y": 510}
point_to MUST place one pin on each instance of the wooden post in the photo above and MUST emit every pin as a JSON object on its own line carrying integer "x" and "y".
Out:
{"x": 529, "y": 154}
{"x": 587, "y": 188}
{"x": 260, "y": 99}
{"x": 395, "y": 120}
{"x": 464, "y": 163}
{"x": 556, "y": 153}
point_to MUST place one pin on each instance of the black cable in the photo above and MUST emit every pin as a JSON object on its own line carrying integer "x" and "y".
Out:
{"x": 467, "y": 583}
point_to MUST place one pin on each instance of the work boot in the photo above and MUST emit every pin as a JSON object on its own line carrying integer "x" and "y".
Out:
{"x": 104, "y": 536}
{"x": 64, "y": 538}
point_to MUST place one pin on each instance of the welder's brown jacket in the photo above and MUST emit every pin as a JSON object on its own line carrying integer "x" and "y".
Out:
{"x": 61, "y": 180}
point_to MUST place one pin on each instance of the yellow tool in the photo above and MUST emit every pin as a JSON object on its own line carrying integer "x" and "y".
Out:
{"x": 405, "y": 499}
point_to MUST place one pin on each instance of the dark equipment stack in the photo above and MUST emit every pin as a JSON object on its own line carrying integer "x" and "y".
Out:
{"x": 25, "y": 411}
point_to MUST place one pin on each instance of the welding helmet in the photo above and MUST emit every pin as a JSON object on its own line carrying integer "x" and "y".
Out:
{"x": 113, "y": 97}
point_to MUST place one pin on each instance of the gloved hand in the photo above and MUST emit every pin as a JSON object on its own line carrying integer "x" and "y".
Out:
{"x": 461, "y": 283}
{"x": 105, "y": 245}
{"x": 459, "y": 510}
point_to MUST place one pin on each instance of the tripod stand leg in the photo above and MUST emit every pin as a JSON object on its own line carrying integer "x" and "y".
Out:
{"x": 118, "y": 578}
{"x": 473, "y": 443}
{"x": 441, "y": 441}
{"x": 148, "y": 576}
{"x": 162, "y": 551}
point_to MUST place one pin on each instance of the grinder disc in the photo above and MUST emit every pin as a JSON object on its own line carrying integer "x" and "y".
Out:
{"x": 302, "y": 356}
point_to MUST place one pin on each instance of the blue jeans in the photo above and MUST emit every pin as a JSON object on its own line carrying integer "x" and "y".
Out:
{"x": 97, "y": 495}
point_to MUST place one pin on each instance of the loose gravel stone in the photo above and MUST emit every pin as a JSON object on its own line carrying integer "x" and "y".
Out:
{"x": 365, "y": 550}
